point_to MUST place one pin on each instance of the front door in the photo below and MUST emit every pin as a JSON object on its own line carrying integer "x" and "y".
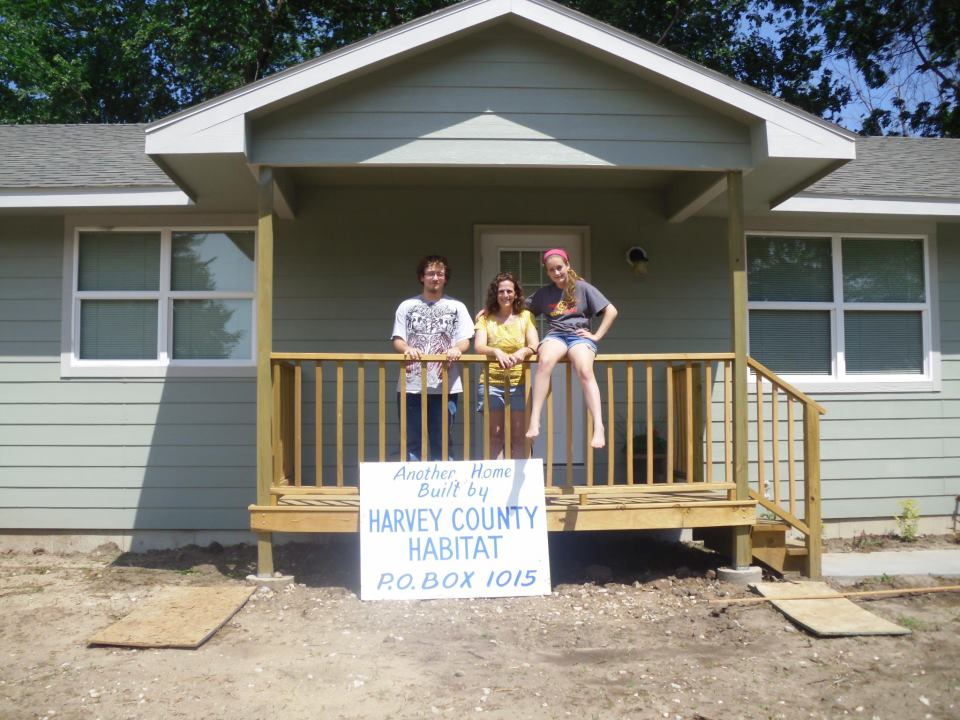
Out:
{"x": 519, "y": 250}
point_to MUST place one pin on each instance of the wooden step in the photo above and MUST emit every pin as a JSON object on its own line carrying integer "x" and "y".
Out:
{"x": 771, "y": 547}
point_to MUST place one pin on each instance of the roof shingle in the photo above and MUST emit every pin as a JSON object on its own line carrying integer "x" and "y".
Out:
{"x": 76, "y": 156}
{"x": 897, "y": 167}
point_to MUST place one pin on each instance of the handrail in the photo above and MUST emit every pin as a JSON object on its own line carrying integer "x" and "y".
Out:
{"x": 666, "y": 406}
{"x": 774, "y": 378}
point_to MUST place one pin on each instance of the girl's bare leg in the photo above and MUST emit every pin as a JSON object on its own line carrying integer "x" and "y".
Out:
{"x": 496, "y": 434}
{"x": 549, "y": 353}
{"x": 581, "y": 357}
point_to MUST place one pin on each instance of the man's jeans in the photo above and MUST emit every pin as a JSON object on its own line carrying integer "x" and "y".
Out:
{"x": 434, "y": 424}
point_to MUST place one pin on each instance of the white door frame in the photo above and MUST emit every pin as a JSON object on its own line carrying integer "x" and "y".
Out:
{"x": 576, "y": 239}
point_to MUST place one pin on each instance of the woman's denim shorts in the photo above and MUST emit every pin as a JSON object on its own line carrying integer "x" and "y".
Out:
{"x": 517, "y": 398}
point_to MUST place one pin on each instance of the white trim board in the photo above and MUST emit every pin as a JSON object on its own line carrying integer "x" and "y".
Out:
{"x": 88, "y": 197}
{"x": 869, "y": 206}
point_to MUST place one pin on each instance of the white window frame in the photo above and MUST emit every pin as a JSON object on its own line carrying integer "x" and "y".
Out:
{"x": 71, "y": 365}
{"x": 839, "y": 381}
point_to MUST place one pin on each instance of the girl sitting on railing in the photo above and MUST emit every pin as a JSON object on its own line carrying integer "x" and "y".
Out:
{"x": 505, "y": 331}
{"x": 569, "y": 303}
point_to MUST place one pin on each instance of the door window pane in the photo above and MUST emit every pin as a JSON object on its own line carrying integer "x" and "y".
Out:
{"x": 208, "y": 261}
{"x": 119, "y": 261}
{"x": 791, "y": 341}
{"x": 789, "y": 269}
{"x": 212, "y": 329}
{"x": 877, "y": 270}
{"x": 883, "y": 342}
{"x": 118, "y": 330}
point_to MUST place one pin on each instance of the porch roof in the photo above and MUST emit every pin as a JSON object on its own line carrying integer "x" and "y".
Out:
{"x": 891, "y": 175}
{"x": 786, "y": 148}
{"x": 80, "y": 165}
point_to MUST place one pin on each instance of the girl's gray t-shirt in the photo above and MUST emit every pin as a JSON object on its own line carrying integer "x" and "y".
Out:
{"x": 563, "y": 318}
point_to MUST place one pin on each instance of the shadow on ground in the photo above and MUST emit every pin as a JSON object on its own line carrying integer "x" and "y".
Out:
{"x": 334, "y": 560}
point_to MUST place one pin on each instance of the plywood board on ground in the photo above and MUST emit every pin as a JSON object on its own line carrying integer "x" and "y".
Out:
{"x": 826, "y": 616}
{"x": 176, "y": 617}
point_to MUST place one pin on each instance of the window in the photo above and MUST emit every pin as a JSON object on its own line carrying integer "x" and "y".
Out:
{"x": 840, "y": 307}
{"x": 163, "y": 297}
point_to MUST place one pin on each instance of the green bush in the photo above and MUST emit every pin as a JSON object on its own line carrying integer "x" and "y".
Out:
{"x": 908, "y": 521}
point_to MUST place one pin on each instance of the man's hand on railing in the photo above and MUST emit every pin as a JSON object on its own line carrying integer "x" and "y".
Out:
{"x": 412, "y": 353}
{"x": 453, "y": 354}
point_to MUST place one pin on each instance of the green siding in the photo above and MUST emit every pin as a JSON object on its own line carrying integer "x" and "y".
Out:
{"x": 177, "y": 454}
{"x": 99, "y": 453}
{"x": 503, "y": 97}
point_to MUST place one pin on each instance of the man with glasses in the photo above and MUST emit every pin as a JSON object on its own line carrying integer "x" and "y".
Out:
{"x": 431, "y": 324}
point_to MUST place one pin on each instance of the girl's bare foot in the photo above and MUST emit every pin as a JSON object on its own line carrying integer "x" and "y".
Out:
{"x": 598, "y": 440}
{"x": 533, "y": 431}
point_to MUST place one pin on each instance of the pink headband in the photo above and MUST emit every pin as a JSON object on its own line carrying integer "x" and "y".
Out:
{"x": 557, "y": 251}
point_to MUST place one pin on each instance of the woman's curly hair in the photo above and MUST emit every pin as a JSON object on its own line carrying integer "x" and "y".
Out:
{"x": 492, "y": 305}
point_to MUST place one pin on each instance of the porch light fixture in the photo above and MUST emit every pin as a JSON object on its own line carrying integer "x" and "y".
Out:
{"x": 638, "y": 260}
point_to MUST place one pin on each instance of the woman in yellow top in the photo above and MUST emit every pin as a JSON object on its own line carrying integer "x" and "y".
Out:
{"x": 505, "y": 331}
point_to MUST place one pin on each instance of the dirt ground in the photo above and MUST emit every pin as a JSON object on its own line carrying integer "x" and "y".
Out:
{"x": 635, "y": 637}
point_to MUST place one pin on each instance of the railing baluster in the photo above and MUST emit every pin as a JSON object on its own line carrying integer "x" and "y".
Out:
{"x": 791, "y": 466}
{"x": 774, "y": 440}
{"x": 708, "y": 420}
{"x": 402, "y": 402}
{"x": 688, "y": 430}
{"x": 761, "y": 475}
{"x": 340, "y": 423}
{"x": 382, "y": 410}
{"x": 727, "y": 431}
{"x": 629, "y": 451}
{"x": 549, "y": 436}
{"x": 651, "y": 446}
{"x": 668, "y": 386}
{"x": 444, "y": 414}
{"x": 424, "y": 403}
{"x": 297, "y": 423}
{"x": 275, "y": 425}
{"x": 527, "y": 443}
{"x": 569, "y": 396}
{"x": 467, "y": 411}
{"x": 589, "y": 449}
{"x": 610, "y": 428}
{"x": 318, "y": 422}
{"x": 361, "y": 410}
{"x": 486, "y": 412}
{"x": 506, "y": 419}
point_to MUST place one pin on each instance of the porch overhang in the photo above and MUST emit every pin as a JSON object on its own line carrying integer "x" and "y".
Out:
{"x": 780, "y": 149}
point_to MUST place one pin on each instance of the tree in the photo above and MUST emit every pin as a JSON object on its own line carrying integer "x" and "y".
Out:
{"x": 906, "y": 58}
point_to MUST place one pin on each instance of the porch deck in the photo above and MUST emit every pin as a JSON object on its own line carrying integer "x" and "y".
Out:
{"x": 616, "y": 508}
{"x": 684, "y": 402}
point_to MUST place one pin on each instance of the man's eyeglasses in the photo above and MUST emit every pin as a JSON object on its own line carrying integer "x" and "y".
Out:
{"x": 435, "y": 273}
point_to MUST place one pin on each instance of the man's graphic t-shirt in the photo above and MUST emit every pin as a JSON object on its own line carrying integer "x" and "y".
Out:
{"x": 432, "y": 328}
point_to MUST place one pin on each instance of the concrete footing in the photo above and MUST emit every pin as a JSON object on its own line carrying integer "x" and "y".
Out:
{"x": 740, "y": 576}
{"x": 274, "y": 582}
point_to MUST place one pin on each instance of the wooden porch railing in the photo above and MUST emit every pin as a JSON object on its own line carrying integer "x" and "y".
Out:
{"x": 668, "y": 421}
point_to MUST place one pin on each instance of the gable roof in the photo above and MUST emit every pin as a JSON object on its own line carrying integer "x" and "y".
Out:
{"x": 219, "y": 125}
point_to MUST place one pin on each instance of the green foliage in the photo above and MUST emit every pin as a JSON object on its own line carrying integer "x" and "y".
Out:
{"x": 139, "y": 60}
{"x": 908, "y": 54}
{"x": 908, "y": 521}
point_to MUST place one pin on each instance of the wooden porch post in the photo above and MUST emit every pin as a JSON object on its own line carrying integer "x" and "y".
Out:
{"x": 265, "y": 232}
{"x": 741, "y": 551}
